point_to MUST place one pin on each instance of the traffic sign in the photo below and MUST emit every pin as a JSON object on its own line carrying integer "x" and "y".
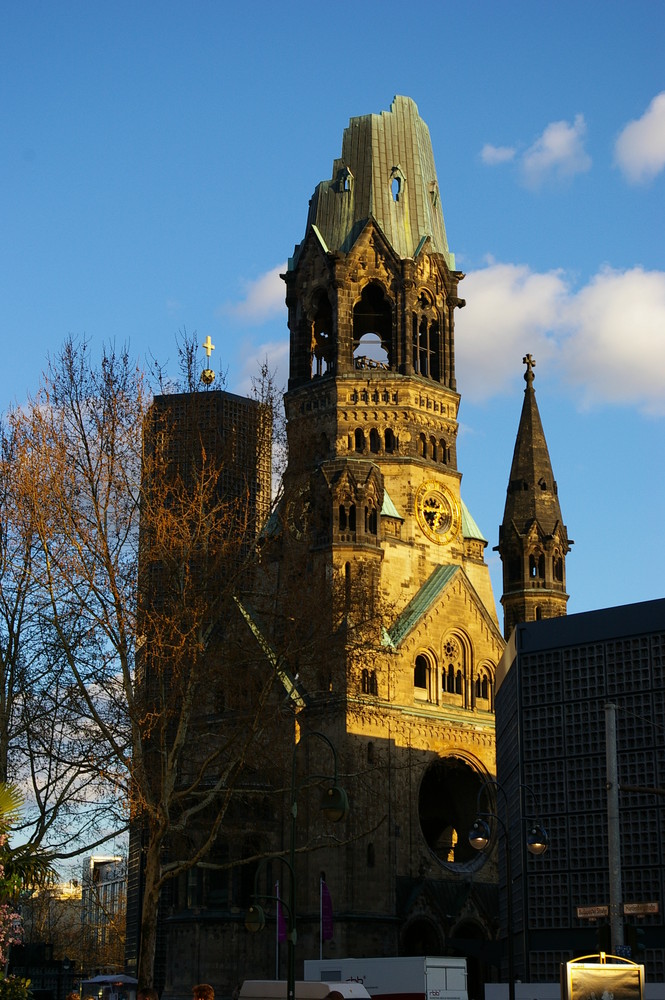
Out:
{"x": 629, "y": 909}
{"x": 640, "y": 909}
{"x": 590, "y": 912}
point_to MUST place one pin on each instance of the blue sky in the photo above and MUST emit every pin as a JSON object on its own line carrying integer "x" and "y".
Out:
{"x": 155, "y": 171}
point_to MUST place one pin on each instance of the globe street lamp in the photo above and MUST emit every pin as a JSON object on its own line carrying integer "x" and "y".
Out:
{"x": 480, "y": 835}
{"x": 334, "y": 806}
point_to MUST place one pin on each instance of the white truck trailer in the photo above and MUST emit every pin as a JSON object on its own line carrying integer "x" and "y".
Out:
{"x": 408, "y": 978}
{"x": 276, "y": 989}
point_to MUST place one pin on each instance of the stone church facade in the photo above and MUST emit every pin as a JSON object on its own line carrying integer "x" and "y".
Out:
{"x": 373, "y": 593}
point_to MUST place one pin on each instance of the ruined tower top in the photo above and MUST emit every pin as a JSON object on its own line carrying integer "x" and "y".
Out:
{"x": 386, "y": 172}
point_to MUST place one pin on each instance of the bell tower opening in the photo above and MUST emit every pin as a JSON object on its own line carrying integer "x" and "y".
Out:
{"x": 426, "y": 337}
{"x": 372, "y": 329}
{"x": 321, "y": 335}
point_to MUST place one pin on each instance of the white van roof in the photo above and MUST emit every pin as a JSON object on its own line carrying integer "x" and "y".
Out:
{"x": 275, "y": 989}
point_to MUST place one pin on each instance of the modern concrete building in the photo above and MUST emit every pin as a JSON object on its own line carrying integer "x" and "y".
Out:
{"x": 553, "y": 685}
{"x": 103, "y": 911}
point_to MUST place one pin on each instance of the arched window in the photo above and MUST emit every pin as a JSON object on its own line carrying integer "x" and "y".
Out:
{"x": 432, "y": 449}
{"x": 372, "y": 329}
{"x": 374, "y": 441}
{"x": 322, "y": 447}
{"x": 514, "y": 567}
{"x": 371, "y": 520}
{"x": 426, "y": 339}
{"x": 421, "y": 672}
{"x": 423, "y": 446}
{"x": 443, "y": 452}
{"x": 389, "y": 440}
{"x": 537, "y": 566}
{"x": 453, "y": 677}
{"x": 422, "y": 678}
{"x": 344, "y": 179}
{"x": 321, "y": 336}
{"x": 359, "y": 439}
{"x": 558, "y": 569}
{"x": 343, "y": 520}
{"x": 397, "y": 183}
{"x": 368, "y": 682}
{"x": 482, "y": 688}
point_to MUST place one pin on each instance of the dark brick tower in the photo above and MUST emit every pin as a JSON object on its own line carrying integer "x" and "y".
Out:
{"x": 533, "y": 540}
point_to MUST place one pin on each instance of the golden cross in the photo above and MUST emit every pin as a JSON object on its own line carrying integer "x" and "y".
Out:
{"x": 208, "y": 345}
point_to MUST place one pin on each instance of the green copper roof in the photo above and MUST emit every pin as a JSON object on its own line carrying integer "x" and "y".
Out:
{"x": 469, "y": 527}
{"x": 389, "y": 509}
{"x": 386, "y": 172}
{"x": 419, "y": 604}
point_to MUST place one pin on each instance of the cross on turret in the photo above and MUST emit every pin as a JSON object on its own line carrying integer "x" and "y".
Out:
{"x": 208, "y": 375}
{"x": 527, "y": 360}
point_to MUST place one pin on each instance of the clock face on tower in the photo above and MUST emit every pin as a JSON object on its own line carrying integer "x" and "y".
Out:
{"x": 438, "y": 512}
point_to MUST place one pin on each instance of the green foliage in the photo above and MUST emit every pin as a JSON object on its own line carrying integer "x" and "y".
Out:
{"x": 21, "y": 866}
{"x": 11, "y": 801}
{"x": 14, "y": 988}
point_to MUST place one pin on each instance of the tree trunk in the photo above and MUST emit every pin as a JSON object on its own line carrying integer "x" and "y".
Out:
{"x": 149, "y": 912}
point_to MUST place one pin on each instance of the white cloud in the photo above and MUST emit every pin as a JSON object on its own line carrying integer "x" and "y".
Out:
{"x": 605, "y": 340}
{"x": 640, "y": 147}
{"x": 491, "y": 155}
{"x": 276, "y": 352}
{"x": 559, "y": 152}
{"x": 510, "y": 312}
{"x": 615, "y": 351}
{"x": 263, "y": 298}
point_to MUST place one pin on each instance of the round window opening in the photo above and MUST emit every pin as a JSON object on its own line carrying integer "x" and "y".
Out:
{"x": 447, "y": 808}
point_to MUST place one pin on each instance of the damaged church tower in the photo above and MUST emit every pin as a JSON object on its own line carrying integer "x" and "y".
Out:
{"x": 376, "y": 560}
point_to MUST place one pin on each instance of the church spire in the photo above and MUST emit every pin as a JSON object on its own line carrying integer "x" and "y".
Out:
{"x": 533, "y": 540}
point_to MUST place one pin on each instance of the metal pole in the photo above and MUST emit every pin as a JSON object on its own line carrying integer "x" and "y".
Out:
{"x": 277, "y": 911}
{"x": 509, "y": 917}
{"x": 613, "y": 833}
{"x": 291, "y": 942}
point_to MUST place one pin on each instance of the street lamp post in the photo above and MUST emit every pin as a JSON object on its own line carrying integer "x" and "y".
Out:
{"x": 334, "y": 806}
{"x": 480, "y": 836}
{"x": 613, "y": 835}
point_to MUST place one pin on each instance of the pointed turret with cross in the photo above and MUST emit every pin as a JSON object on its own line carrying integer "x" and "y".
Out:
{"x": 533, "y": 540}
